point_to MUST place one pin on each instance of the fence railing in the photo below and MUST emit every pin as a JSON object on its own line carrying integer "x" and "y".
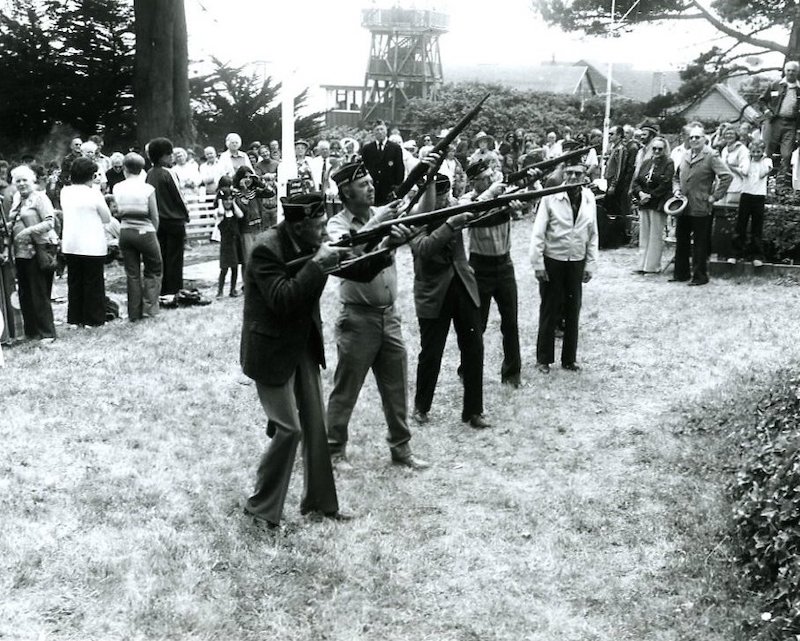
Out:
{"x": 201, "y": 217}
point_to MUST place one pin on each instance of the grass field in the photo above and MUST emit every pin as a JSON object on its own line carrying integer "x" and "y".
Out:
{"x": 586, "y": 513}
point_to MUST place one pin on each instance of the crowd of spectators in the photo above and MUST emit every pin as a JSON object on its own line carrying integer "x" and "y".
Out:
{"x": 137, "y": 202}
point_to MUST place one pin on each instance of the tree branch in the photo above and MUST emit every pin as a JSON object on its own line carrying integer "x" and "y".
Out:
{"x": 733, "y": 33}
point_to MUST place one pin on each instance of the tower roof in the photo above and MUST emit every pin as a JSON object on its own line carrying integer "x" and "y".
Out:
{"x": 405, "y": 20}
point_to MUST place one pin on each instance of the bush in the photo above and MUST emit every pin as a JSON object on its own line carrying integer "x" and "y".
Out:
{"x": 766, "y": 496}
{"x": 782, "y": 232}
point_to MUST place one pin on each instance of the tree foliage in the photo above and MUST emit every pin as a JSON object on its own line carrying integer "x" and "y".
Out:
{"x": 67, "y": 62}
{"x": 509, "y": 109}
{"x": 231, "y": 99}
{"x": 743, "y": 21}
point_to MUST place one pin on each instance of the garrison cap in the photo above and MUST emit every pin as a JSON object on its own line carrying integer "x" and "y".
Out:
{"x": 301, "y": 206}
{"x": 349, "y": 173}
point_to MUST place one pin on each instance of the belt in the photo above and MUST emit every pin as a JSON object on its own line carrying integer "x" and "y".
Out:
{"x": 485, "y": 259}
{"x": 367, "y": 307}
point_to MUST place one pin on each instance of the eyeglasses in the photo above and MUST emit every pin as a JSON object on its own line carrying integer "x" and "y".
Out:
{"x": 658, "y": 148}
{"x": 696, "y": 137}
{"x": 570, "y": 172}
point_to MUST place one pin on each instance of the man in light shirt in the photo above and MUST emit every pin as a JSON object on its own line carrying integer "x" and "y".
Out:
{"x": 233, "y": 157}
{"x": 781, "y": 106}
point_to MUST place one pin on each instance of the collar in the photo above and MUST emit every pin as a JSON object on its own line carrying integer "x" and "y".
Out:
{"x": 783, "y": 81}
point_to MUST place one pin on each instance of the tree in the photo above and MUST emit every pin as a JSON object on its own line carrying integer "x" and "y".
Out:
{"x": 229, "y": 99}
{"x": 69, "y": 66}
{"x": 161, "y": 73}
{"x": 743, "y": 21}
{"x": 508, "y": 109}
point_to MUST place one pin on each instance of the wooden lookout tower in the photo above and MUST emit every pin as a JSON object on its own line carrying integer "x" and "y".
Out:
{"x": 404, "y": 60}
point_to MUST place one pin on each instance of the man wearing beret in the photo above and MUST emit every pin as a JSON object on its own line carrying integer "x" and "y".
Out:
{"x": 384, "y": 162}
{"x": 490, "y": 258}
{"x": 282, "y": 351}
{"x": 563, "y": 254}
{"x": 445, "y": 291}
{"x": 368, "y": 332}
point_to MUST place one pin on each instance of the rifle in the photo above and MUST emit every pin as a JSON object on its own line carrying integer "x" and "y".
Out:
{"x": 485, "y": 207}
{"x": 419, "y": 171}
{"x": 546, "y": 165}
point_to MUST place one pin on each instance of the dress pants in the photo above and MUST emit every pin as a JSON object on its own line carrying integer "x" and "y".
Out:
{"x": 779, "y": 136}
{"x": 561, "y": 297}
{"x": 171, "y": 238}
{"x": 692, "y": 232}
{"x": 295, "y": 409}
{"x": 86, "y": 290}
{"x": 459, "y": 308}
{"x": 369, "y": 338}
{"x": 751, "y": 208}
{"x": 34, "y": 287}
{"x": 138, "y": 248}
{"x": 496, "y": 280}
{"x": 651, "y": 239}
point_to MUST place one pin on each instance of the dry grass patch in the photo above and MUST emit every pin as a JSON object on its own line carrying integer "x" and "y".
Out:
{"x": 129, "y": 451}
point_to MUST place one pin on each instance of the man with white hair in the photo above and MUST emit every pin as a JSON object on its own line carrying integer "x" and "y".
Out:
{"x": 780, "y": 103}
{"x": 89, "y": 150}
{"x": 695, "y": 179}
{"x": 320, "y": 166}
{"x": 211, "y": 170}
{"x": 115, "y": 174}
{"x": 552, "y": 149}
{"x": 233, "y": 158}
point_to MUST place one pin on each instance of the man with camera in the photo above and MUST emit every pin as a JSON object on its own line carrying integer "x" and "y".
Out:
{"x": 250, "y": 189}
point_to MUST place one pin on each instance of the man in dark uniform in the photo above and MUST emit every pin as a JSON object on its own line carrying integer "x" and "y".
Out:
{"x": 445, "y": 290}
{"x": 282, "y": 351}
{"x": 384, "y": 162}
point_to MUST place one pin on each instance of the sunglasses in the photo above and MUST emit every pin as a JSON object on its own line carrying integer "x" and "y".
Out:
{"x": 658, "y": 148}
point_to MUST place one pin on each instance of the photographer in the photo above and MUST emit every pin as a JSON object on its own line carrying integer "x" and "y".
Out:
{"x": 250, "y": 189}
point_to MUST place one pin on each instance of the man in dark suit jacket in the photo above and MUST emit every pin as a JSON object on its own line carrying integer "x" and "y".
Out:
{"x": 445, "y": 290}
{"x": 384, "y": 162}
{"x": 282, "y": 351}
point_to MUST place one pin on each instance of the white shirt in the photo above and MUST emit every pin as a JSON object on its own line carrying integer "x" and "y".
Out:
{"x": 85, "y": 213}
{"x": 557, "y": 236}
{"x": 315, "y": 165}
{"x": 755, "y": 180}
{"x": 228, "y": 165}
{"x": 737, "y": 160}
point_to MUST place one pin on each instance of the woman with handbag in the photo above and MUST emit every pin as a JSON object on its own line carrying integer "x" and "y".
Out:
{"x": 651, "y": 187}
{"x": 32, "y": 235}
{"x": 84, "y": 245}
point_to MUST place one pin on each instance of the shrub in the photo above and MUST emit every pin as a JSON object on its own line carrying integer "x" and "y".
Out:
{"x": 782, "y": 231}
{"x": 766, "y": 496}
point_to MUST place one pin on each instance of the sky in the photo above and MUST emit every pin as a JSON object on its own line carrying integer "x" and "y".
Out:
{"x": 322, "y": 41}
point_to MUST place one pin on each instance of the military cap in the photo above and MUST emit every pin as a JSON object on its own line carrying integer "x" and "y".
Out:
{"x": 349, "y": 173}
{"x": 477, "y": 168}
{"x": 301, "y": 206}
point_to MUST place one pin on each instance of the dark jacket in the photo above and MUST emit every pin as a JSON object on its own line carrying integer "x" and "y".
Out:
{"x": 387, "y": 168}
{"x": 438, "y": 258}
{"x": 281, "y": 312}
{"x": 773, "y": 97}
{"x": 696, "y": 179}
{"x": 658, "y": 185}
{"x": 171, "y": 206}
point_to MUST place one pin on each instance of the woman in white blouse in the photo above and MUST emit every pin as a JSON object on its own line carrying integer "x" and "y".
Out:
{"x": 83, "y": 243}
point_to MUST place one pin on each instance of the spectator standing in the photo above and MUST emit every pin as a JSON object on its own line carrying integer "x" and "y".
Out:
{"x": 32, "y": 221}
{"x": 138, "y": 241}
{"x": 552, "y": 148}
{"x": 66, "y": 163}
{"x": 172, "y": 214}
{"x": 266, "y": 164}
{"x": 84, "y": 246}
{"x": 652, "y": 186}
{"x": 736, "y": 157}
{"x": 233, "y": 157}
{"x": 619, "y": 173}
{"x": 188, "y": 174}
{"x": 116, "y": 174}
{"x": 751, "y": 205}
{"x": 211, "y": 170}
{"x": 383, "y": 160}
{"x": 780, "y": 103}
{"x": 12, "y": 319}
{"x": 695, "y": 179}
{"x": 230, "y": 244}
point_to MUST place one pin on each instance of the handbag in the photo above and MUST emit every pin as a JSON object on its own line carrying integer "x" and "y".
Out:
{"x": 47, "y": 256}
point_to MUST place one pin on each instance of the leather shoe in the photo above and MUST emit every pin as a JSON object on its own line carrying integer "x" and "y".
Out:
{"x": 420, "y": 417}
{"x": 338, "y": 516}
{"x": 572, "y": 367}
{"x": 677, "y": 280}
{"x": 478, "y": 422}
{"x": 261, "y": 523}
{"x": 411, "y": 461}
{"x": 513, "y": 381}
{"x": 697, "y": 283}
{"x": 544, "y": 368}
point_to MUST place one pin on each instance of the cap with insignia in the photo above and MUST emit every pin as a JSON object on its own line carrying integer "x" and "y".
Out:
{"x": 350, "y": 173}
{"x": 477, "y": 168}
{"x": 442, "y": 183}
{"x": 301, "y": 206}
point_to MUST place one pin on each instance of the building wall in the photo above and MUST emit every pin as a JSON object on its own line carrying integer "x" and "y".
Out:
{"x": 712, "y": 108}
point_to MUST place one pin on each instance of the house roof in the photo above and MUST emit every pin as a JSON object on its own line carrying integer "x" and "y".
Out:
{"x": 553, "y": 78}
{"x": 636, "y": 84}
{"x": 738, "y": 103}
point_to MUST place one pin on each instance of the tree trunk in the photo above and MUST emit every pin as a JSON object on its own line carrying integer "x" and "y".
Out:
{"x": 793, "y": 49}
{"x": 161, "y": 76}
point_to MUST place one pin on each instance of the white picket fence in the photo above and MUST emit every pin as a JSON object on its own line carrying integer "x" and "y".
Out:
{"x": 201, "y": 218}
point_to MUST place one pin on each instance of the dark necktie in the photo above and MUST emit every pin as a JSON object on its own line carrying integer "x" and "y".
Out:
{"x": 324, "y": 171}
